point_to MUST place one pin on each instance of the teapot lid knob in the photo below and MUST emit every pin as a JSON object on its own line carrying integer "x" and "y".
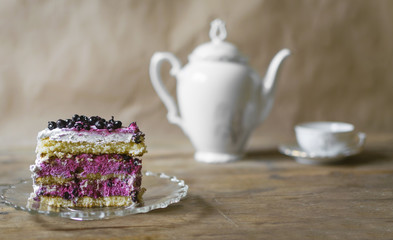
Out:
{"x": 217, "y": 49}
{"x": 218, "y": 32}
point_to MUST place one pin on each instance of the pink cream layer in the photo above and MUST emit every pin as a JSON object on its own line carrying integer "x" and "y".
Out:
{"x": 92, "y": 188}
{"x": 81, "y": 165}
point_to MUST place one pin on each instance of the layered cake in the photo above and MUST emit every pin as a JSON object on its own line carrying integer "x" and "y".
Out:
{"x": 88, "y": 162}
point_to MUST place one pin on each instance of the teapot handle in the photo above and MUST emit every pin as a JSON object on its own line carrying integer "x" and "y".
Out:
{"x": 155, "y": 77}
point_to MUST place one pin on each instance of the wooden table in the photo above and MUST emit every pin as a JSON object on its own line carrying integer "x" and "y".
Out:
{"x": 265, "y": 196}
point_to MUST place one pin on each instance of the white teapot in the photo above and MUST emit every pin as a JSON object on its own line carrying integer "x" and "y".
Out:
{"x": 221, "y": 100}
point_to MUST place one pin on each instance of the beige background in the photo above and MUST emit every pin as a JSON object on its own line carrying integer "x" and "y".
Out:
{"x": 58, "y": 58}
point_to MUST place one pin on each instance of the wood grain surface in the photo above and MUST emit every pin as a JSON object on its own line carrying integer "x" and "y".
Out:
{"x": 265, "y": 196}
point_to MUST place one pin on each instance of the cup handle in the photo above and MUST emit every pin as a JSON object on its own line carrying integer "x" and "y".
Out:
{"x": 155, "y": 77}
{"x": 361, "y": 139}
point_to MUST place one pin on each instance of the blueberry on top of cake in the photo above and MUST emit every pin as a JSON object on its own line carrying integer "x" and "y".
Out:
{"x": 87, "y": 162}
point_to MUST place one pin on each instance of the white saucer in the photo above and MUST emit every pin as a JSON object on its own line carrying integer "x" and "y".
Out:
{"x": 301, "y": 156}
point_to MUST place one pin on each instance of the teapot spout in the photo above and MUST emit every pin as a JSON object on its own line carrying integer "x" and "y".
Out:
{"x": 269, "y": 82}
{"x": 271, "y": 74}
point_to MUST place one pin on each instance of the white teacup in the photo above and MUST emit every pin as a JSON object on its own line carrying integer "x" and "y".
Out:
{"x": 327, "y": 138}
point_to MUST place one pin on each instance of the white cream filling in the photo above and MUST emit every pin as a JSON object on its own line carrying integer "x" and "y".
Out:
{"x": 66, "y": 135}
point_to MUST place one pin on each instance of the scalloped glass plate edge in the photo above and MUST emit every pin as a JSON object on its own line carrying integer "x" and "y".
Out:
{"x": 154, "y": 198}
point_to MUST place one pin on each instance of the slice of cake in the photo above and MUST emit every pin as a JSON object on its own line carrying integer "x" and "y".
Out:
{"x": 88, "y": 162}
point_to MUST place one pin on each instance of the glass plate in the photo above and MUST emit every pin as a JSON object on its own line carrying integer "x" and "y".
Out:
{"x": 162, "y": 190}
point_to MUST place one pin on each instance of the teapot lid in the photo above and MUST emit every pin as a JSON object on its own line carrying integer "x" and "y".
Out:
{"x": 217, "y": 49}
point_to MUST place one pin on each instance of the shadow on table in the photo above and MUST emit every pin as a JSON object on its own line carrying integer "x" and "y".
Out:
{"x": 270, "y": 154}
{"x": 366, "y": 157}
